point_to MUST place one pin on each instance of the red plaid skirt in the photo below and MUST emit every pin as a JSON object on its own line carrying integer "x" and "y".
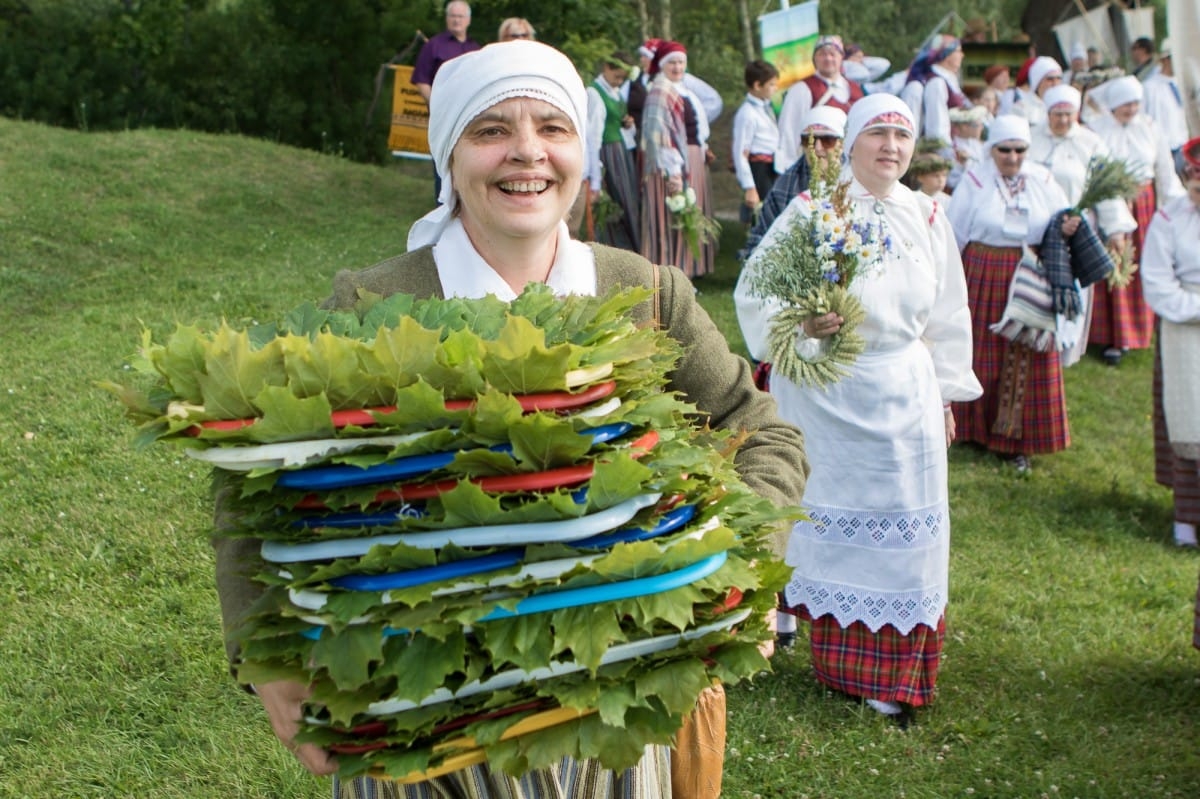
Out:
{"x": 1044, "y": 413}
{"x": 885, "y": 665}
{"x": 1121, "y": 317}
{"x": 1181, "y": 475}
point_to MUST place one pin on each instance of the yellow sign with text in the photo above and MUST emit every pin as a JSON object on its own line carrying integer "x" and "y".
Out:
{"x": 409, "y": 135}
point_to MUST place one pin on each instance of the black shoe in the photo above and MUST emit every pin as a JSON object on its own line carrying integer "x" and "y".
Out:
{"x": 1112, "y": 356}
{"x": 1020, "y": 463}
{"x": 785, "y": 640}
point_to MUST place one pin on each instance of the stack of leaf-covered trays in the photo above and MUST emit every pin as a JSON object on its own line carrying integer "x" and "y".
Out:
{"x": 487, "y": 530}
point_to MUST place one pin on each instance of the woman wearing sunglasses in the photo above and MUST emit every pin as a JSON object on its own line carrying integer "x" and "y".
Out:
{"x": 1000, "y": 207}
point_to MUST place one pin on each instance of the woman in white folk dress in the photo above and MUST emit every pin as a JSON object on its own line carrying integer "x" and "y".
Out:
{"x": 872, "y": 565}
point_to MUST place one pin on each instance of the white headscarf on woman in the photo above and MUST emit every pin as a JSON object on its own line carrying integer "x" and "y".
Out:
{"x": 1063, "y": 94}
{"x": 1007, "y": 127}
{"x": 469, "y": 84}
{"x": 877, "y": 111}
{"x": 825, "y": 118}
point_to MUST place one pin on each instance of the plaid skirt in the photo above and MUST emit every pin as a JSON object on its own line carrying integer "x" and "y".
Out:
{"x": 622, "y": 184}
{"x": 1181, "y": 475}
{"x": 885, "y": 665}
{"x": 1196, "y": 621}
{"x": 570, "y": 779}
{"x": 1120, "y": 317}
{"x": 1043, "y": 417}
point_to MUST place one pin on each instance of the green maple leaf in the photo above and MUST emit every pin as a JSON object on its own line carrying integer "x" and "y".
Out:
{"x": 390, "y": 312}
{"x": 587, "y": 631}
{"x": 675, "y": 607}
{"x": 518, "y": 361}
{"x": 306, "y": 319}
{"x": 616, "y": 478}
{"x": 286, "y": 417}
{"x": 615, "y": 701}
{"x": 518, "y": 640}
{"x": 234, "y": 373}
{"x": 461, "y": 355}
{"x": 468, "y": 505}
{"x": 328, "y": 365}
{"x": 420, "y": 664}
{"x": 546, "y": 443}
{"x": 400, "y": 354}
{"x": 617, "y": 748}
{"x": 675, "y": 684}
{"x": 181, "y": 361}
{"x": 419, "y": 406}
{"x": 349, "y": 655}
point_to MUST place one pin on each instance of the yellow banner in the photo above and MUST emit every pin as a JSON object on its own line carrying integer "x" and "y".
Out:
{"x": 410, "y": 117}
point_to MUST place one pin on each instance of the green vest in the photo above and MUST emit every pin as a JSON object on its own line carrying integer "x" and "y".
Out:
{"x": 614, "y": 112}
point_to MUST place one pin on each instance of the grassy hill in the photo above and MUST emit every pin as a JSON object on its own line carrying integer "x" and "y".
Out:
{"x": 1068, "y": 668}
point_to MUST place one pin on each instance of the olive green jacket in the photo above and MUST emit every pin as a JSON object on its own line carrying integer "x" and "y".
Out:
{"x": 718, "y": 382}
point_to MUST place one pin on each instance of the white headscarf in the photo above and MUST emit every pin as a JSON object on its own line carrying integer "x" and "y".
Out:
{"x": 1041, "y": 67}
{"x": 1063, "y": 94}
{"x": 1007, "y": 127}
{"x": 1127, "y": 89}
{"x": 877, "y": 111}
{"x": 469, "y": 84}
{"x": 825, "y": 117}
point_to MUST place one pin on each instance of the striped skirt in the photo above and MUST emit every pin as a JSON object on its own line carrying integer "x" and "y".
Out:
{"x": 1041, "y": 425}
{"x": 570, "y": 779}
{"x": 1120, "y": 317}
{"x": 698, "y": 167}
{"x": 622, "y": 185}
{"x": 1181, "y": 475}
{"x": 661, "y": 242}
{"x": 885, "y": 665}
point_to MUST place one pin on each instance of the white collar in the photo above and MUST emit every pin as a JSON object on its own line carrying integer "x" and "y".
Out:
{"x": 463, "y": 272}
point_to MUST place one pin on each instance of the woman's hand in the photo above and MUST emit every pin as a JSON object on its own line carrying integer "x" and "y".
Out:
{"x": 674, "y": 184}
{"x": 951, "y": 427}
{"x": 750, "y": 198}
{"x": 284, "y": 703}
{"x": 823, "y": 326}
{"x": 1116, "y": 243}
{"x": 767, "y": 648}
{"x": 1070, "y": 224}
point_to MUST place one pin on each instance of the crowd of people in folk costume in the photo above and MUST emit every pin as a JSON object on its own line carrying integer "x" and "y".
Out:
{"x": 987, "y": 180}
{"x": 965, "y": 191}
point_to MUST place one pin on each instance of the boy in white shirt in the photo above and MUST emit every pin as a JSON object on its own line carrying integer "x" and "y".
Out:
{"x": 755, "y": 135}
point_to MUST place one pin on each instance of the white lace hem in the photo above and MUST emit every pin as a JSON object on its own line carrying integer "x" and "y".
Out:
{"x": 847, "y": 604}
{"x": 877, "y": 567}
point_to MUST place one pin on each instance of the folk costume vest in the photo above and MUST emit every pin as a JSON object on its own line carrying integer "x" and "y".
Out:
{"x": 819, "y": 88}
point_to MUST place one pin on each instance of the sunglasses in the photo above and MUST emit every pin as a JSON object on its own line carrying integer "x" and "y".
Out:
{"x": 1007, "y": 150}
{"x": 825, "y": 139}
{"x": 519, "y": 35}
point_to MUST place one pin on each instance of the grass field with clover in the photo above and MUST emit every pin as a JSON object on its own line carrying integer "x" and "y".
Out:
{"x": 1068, "y": 667}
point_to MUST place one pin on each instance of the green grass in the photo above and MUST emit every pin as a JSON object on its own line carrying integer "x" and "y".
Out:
{"x": 1068, "y": 668}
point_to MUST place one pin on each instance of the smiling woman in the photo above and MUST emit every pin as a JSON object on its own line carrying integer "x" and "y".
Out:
{"x": 505, "y": 128}
{"x": 517, "y": 170}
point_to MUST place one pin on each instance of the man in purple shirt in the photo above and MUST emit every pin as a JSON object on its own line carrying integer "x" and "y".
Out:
{"x": 448, "y": 44}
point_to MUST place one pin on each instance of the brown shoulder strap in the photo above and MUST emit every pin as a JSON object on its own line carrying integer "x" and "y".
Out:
{"x": 656, "y": 284}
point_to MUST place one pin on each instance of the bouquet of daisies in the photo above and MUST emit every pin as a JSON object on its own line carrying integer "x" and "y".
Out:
{"x": 488, "y": 532}
{"x": 810, "y": 269}
{"x": 697, "y": 228}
